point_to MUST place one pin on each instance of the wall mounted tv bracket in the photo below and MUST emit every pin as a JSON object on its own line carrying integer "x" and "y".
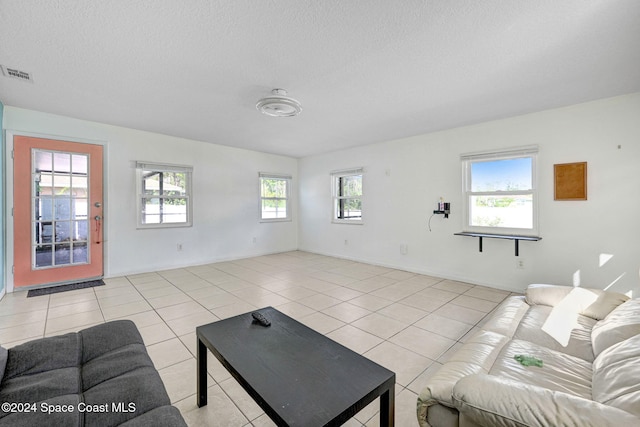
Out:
{"x": 443, "y": 209}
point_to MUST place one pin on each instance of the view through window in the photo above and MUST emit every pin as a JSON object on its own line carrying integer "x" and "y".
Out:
{"x": 500, "y": 191}
{"x": 347, "y": 195}
{"x": 164, "y": 195}
{"x": 274, "y": 197}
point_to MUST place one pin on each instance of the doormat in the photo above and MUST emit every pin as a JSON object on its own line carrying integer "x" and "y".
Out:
{"x": 64, "y": 288}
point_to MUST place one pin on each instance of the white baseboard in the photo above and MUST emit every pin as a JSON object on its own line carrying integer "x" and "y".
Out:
{"x": 440, "y": 274}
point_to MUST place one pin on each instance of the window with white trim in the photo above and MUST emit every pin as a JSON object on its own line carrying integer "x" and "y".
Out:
{"x": 500, "y": 191}
{"x": 274, "y": 197}
{"x": 347, "y": 195}
{"x": 164, "y": 195}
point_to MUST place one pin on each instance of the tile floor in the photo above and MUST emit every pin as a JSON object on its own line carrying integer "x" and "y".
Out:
{"x": 407, "y": 322}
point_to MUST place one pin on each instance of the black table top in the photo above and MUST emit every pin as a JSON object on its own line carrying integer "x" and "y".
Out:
{"x": 297, "y": 375}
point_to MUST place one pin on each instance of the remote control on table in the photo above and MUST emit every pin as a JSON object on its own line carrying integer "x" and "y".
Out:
{"x": 259, "y": 317}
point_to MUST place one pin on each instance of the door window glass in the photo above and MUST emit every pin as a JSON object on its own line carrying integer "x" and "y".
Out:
{"x": 60, "y": 204}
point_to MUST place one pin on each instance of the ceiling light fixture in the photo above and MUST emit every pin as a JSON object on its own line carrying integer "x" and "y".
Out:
{"x": 279, "y": 104}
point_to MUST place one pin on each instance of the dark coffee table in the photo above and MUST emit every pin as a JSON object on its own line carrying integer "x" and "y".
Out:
{"x": 298, "y": 376}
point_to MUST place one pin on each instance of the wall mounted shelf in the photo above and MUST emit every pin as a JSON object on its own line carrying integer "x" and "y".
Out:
{"x": 513, "y": 237}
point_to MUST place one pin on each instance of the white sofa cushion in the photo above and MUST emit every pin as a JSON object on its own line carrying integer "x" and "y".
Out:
{"x": 476, "y": 355}
{"x": 559, "y": 371}
{"x": 620, "y": 324}
{"x": 594, "y": 303}
{"x": 507, "y": 316}
{"x": 575, "y": 337}
{"x": 615, "y": 376}
{"x": 487, "y": 400}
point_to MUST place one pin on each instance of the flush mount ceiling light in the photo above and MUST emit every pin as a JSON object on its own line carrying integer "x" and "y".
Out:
{"x": 279, "y": 104}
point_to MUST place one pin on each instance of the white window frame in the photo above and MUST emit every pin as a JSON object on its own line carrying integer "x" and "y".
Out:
{"x": 287, "y": 198}
{"x": 511, "y": 153}
{"x": 140, "y": 197}
{"x": 337, "y": 198}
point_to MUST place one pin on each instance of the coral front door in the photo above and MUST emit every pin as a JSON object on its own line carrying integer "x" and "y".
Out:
{"x": 57, "y": 212}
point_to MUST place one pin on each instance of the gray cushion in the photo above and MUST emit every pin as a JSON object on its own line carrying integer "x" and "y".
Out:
{"x": 37, "y": 418}
{"x": 43, "y": 355}
{"x": 104, "y": 367}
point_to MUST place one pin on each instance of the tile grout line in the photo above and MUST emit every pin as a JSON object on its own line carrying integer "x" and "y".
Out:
{"x": 292, "y": 272}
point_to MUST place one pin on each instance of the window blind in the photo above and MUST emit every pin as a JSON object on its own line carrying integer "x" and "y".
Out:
{"x": 163, "y": 167}
{"x": 354, "y": 171}
{"x": 509, "y": 152}
{"x": 273, "y": 175}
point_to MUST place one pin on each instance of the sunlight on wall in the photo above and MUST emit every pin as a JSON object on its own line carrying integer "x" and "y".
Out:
{"x": 604, "y": 258}
{"x": 576, "y": 278}
{"x": 614, "y": 282}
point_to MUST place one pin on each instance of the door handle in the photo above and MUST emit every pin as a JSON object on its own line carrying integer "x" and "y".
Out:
{"x": 98, "y": 220}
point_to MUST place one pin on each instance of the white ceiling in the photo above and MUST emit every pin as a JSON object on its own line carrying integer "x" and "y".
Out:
{"x": 364, "y": 70}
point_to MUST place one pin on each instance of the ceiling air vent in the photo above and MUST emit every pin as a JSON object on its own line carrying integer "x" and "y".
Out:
{"x": 16, "y": 74}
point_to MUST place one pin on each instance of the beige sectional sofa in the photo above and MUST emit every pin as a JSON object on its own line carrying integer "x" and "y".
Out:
{"x": 588, "y": 343}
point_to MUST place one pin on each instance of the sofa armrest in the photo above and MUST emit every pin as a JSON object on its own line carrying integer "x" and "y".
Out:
{"x": 493, "y": 401}
{"x": 478, "y": 354}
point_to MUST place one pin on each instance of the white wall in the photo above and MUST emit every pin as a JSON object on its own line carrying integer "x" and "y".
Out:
{"x": 225, "y": 198}
{"x": 397, "y": 206}
{"x": 404, "y": 180}
{"x": 2, "y": 232}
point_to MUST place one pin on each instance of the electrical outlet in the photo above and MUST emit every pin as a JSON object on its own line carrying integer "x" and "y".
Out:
{"x": 346, "y": 242}
{"x": 179, "y": 247}
{"x": 404, "y": 248}
{"x": 255, "y": 240}
{"x": 520, "y": 264}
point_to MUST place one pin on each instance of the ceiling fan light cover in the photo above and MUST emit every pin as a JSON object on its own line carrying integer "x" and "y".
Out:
{"x": 279, "y": 105}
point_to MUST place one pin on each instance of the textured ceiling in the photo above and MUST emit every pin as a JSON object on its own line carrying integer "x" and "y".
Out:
{"x": 364, "y": 70}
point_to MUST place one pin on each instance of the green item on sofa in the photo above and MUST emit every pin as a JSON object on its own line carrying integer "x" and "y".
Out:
{"x": 528, "y": 360}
